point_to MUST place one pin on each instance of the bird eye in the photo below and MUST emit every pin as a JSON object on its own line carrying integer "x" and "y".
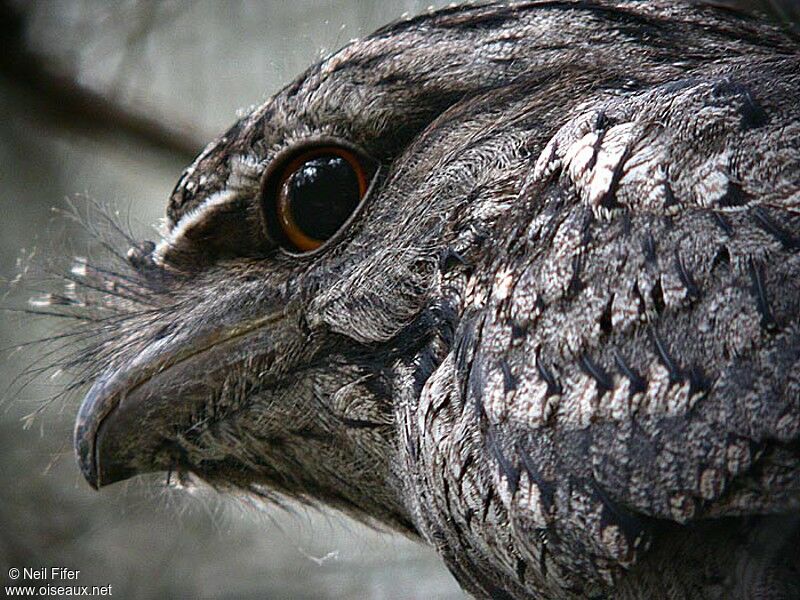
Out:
{"x": 314, "y": 195}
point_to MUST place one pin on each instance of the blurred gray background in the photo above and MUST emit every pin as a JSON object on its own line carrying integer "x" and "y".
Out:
{"x": 109, "y": 100}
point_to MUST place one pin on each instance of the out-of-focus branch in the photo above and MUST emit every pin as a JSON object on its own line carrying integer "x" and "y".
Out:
{"x": 75, "y": 105}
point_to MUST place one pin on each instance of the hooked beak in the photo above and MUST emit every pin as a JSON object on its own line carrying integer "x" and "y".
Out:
{"x": 100, "y": 464}
{"x": 131, "y": 417}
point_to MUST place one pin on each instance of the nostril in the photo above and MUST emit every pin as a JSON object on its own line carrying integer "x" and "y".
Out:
{"x": 140, "y": 256}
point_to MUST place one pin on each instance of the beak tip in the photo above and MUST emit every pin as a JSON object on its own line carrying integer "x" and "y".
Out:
{"x": 91, "y": 479}
{"x": 110, "y": 443}
{"x": 98, "y": 463}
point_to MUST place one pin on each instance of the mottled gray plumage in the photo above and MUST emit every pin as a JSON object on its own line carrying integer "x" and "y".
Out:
{"x": 561, "y": 340}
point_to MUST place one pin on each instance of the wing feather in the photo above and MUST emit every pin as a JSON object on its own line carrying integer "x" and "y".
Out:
{"x": 636, "y": 360}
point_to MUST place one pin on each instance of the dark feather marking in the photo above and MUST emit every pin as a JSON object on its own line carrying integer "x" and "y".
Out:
{"x": 604, "y": 381}
{"x": 686, "y": 277}
{"x": 477, "y": 384}
{"x": 509, "y": 381}
{"x": 675, "y": 373}
{"x": 464, "y": 468}
{"x": 446, "y": 494}
{"x": 723, "y": 223}
{"x": 546, "y": 490}
{"x": 627, "y": 223}
{"x": 734, "y": 195}
{"x": 487, "y": 502}
{"x": 542, "y": 561}
{"x": 433, "y": 410}
{"x": 517, "y": 331}
{"x": 698, "y": 381}
{"x": 752, "y": 113}
{"x": 632, "y": 527}
{"x": 468, "y": 516}
{"x": 586, "y": 228}
{"x": 445, "y": 318}
{"x": 787, "y": 240}
{"x": 606, "y": 319}
{"x": 522, "y": 566}
{"x": 471, "y": 380}
{"x": 649, "y": 248}
{"x": 670, "y": 200}
{"x": 553, "y": 386}
{"x": 657, "y": 295}
{"x": 609, "y": 199}
{"x": 600, "y": 121}
{"x": 637, "y": 383}
{"x": 507, "y": 470}
{"x": 450, "y": 258}
{"x": 762, "y": 300}
{"x": 575, "y": 283}
{"x": 463, "y": 345}
{"x": 722, "y": 258}
{"x": 640, "y": 303}
{"x": 426, "y": 364}
{"x": 550, "y": 159}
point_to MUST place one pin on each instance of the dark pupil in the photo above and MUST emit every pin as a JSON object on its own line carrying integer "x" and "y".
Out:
{"x": 322, "y": 194}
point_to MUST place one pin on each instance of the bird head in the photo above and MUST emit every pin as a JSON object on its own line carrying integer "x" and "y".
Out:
{"x": 320, "y": 254}
{"x": 312, "y": 271}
